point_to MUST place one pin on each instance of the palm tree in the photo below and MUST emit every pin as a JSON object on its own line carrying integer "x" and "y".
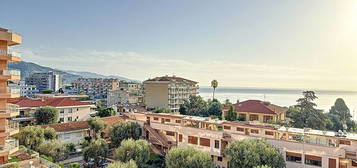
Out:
{"x": 214, "y": 84}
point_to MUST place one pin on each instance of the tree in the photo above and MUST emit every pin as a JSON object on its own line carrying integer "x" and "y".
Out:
{"x": 46, "y": 115}
{"x": 130, "y": 164}
{"x": 106, "y": 111}
{"x": 194, "y": 106}
{"x": 162, "y": 110}
{"x": 263, "y": 166}
{"x": 48, "y": 91}
{"x": 179, "y": 157}
{"x": 215, "y": 108}
{"x": 31, "y": 137}
{"x": 71, "y": 147}
{"x": 96, "y": 150}
{"x": 214, "y": 85}
{"x": 53, "y": 148}
{"x": 49, "y": 133}
{"x": 249, "y": 153}
{"x": 124, "y": 130}
{"x": 340, "y": 117}
{"x": 96, "y": 125}
{"x": 306, "y": 115}
{"x": 231, "y": 115}
{"x": 137, "y": 150}
{"x": 75, "y": 165}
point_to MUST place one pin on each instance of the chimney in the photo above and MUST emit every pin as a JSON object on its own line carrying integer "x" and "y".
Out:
{"x": 237, "y": 101}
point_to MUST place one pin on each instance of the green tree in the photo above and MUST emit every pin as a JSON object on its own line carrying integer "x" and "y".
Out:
{"x": 306, "y": 115}
{"x": 46, "y": 115}
{"x": 179, "y": 157}
{"x": 124, "y": 130}
{"x": 53, "y": 148}
{"x": 31, "y": 137}
{"x": 50, "y": 133}
{"x": 194, "y": 106}
{"x": 263, "y": 166}
{"x": 96, "y": 150}
{"x": 96, "y": 126}
{"x": 71, "y": 147}
{"x": 106, "y": 111}
{"x": 130, "y": 164}
{"x": 214, "y": 85}
{"x": 249, "y": 153}
{"x": 162, "y": 110}
{"x": 231, "y": 115}
{"x": 340, "y": 117}
{"x": 137, "y": 150}
{"x": 74, "y": 165}
{"x": 215, "y": 108}
{"x": 48, "y": 91}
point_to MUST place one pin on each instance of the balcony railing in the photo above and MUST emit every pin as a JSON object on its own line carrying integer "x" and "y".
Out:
{"x": 10, "y": 126}
{"x": 14, "y": 90}
{"x": 11, "y": 72}
{"x": 10, "y": 108}
{"x": 10, "y": 144}
{"x": 13, "y": 54}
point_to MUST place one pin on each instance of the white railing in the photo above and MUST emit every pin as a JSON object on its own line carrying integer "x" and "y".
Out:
{"x": 14, "y": 90}
{"x": 13, "y": 54}
{"x": 10, "y": 144}
{"x": 10, "y": 108}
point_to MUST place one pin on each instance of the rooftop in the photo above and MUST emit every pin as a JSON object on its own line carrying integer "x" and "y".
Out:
{"x": 172, "y": 79}
{"x": 258, "y": 106}
{"x": 54, "y": 102}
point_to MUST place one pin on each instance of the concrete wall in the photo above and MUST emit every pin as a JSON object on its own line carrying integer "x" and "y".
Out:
{"x": 156, "y": 95}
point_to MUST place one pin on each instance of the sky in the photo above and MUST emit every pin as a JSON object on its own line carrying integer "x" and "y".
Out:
{"x": 305, "y": 44}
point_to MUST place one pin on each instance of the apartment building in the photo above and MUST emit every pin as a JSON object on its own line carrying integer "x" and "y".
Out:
{"x": 168, "y": 92}
{"x": 45, "y": 81}
{"x": 256, "y": 110}
{"x": 97, "y": 88}
{"x": 69, "y": 110}
{"x": 7, "y": 110}
{"x": 130, "y": 86}
{"x": 300, "y": 147}
{"x": 25, "y": 90}
{"x": 116, "y": 97}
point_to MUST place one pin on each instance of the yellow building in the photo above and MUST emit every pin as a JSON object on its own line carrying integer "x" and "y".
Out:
{"x": 168, "y": 92}
{"x": 256, "y": 110}
{"x": 7, "y": 127}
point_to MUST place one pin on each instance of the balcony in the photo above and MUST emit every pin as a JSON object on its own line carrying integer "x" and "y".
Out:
{"x": 11, "y": 37}
{"x": 11, "y": 146}
{"x": 9, "y": 93}
{"x": 10, "y": 74}
{"x": 10, "y": 56}
{"x": 10, "y": 110}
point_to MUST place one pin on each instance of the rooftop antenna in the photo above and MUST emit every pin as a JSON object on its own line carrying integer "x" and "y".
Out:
{"x": 264, "y": 97}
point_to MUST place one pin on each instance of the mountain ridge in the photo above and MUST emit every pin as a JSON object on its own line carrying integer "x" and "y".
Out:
{"x": 28, "y": 68}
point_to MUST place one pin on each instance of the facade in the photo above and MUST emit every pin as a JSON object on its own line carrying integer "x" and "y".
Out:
{"x": 97, "y": 88}
{"x": 25, "y": 90}
{"x": 58, "y": 95}
{"x": 300, "y": 147}
{"x": 45, "y": 81}
{"x": 69, "y": 110}
{"x": 168, "y": 92}
{"x": 130, "y": 86}
{"x": 7, "y": 110}
{"x": 256, "y": 110}
{"x": 119, "y": 96}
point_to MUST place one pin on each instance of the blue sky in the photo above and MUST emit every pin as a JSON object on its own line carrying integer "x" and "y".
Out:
{"x": 256, "y": 43}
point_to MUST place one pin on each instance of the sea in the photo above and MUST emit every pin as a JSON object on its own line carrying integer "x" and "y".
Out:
{"x": 282, "y": 97}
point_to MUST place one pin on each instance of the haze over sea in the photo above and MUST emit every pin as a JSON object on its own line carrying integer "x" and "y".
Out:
{"x": 282, "y": 97}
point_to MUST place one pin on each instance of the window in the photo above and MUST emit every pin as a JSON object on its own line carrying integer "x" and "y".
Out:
{"x": 62, "y": 111}
{"x": 267, "y": 118}
{"x": 313, "y": 160}
{"x": 269, "y": 133}
{"x": 180, "y": 137}
{"x": 293, "y": 157}
{"x": 253, "y": 117}
{"x": 69, "y": 118}
{"x": 242, "y": 117}
{"x": 345, "y": 142}
{"x": 167, "y": 120}
{"x": 205, "y": 142}
{"x": 192, "y": 140}
{"x": 240, "y": 129}
{"x": 61, "y": 120}
{"x": 254, "y": 131}
{"x": 70, "y": 110}
{"x": 178, "y": 121}
{"x": 169, "y": 133}
{"x": 219, "y": 158}
{"x": 155, "y": 118}
{"x": 216, "y": 144}
{"x": 227, "y": 127}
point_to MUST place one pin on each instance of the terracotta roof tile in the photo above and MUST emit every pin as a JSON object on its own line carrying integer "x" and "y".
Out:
{"x": 171, "y": 78}
{"x": 257, "y": 106}
{"x": 55, "y": 102}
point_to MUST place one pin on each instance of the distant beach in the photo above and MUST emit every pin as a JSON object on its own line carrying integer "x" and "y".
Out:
{"x": 282, "y": 97}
